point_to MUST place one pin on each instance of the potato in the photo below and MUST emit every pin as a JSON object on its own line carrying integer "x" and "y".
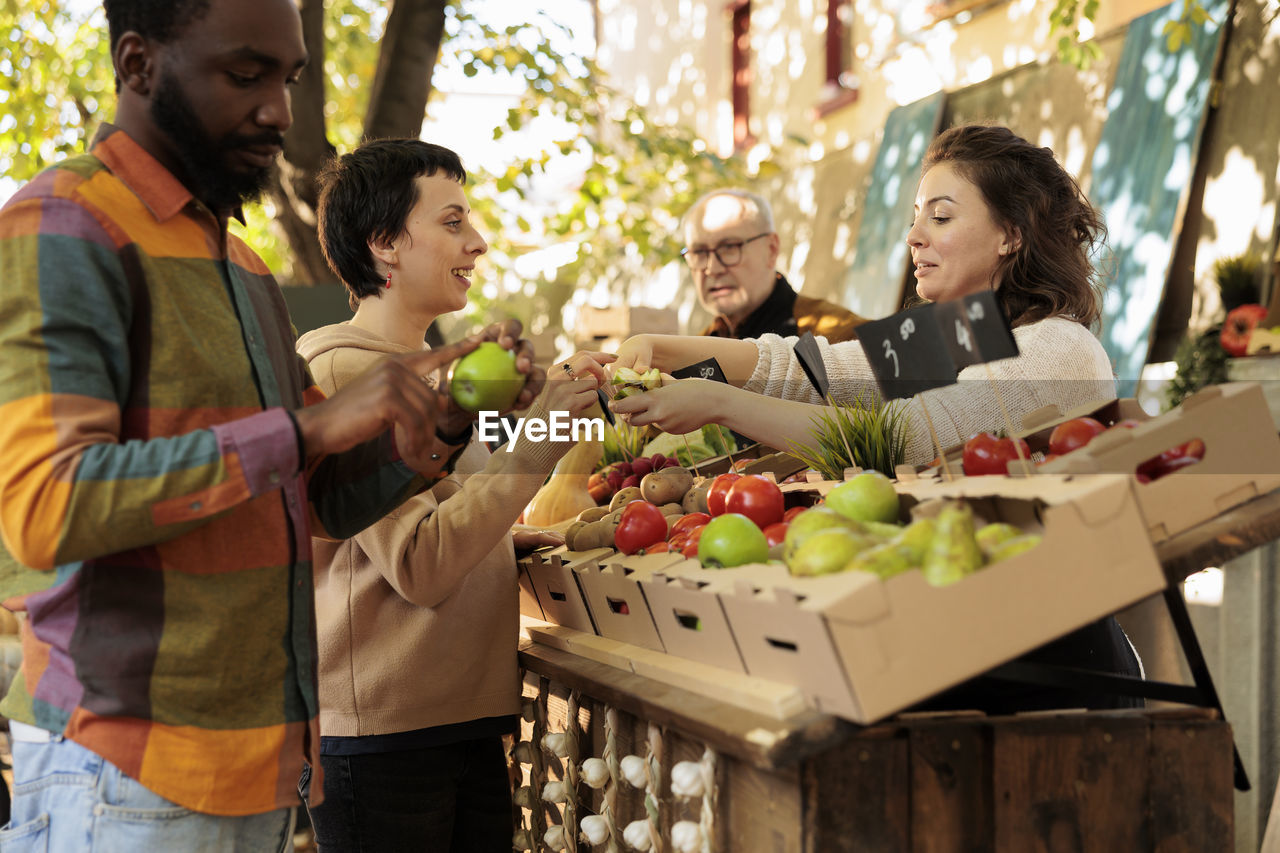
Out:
{"x": 626, "y": 496}
{"x": 695, "y": 500}
{"x": 594, "y": 513}
{"x": 571, "y": 534}
{"x": 666, "y": 486}
{"x": 592, "y": 534}
{"x": 671, "y": 509}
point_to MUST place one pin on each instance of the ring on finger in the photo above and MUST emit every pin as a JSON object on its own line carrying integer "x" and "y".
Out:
{"x": 569, "y": 370}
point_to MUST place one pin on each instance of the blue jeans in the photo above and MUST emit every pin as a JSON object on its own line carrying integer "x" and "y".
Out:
{"x": 442, "y": 799}
{"x": 67, "y": 799}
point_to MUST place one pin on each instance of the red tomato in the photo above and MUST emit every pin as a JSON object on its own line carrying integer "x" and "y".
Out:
{"x": 1238, "y": 326}
{"x": 757, "y": 497}
{"x": 1171, "y": 460}
{"x": 775, "y": 533}
{"x": 690, "y": 548}
{"x": 988, "y": 454}
{"x": 685, "y": 522}
{"x": 719, "y": 488}
{"x": 793, "y": 512}
{"x": 641, "y": 525}
{"x": 1127, "y": 423}
{"x": 659, "y": 547}
{"x": 1077, "y": 432}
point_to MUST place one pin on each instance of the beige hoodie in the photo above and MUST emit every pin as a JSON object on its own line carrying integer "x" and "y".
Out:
{"x": 418, "y": 615}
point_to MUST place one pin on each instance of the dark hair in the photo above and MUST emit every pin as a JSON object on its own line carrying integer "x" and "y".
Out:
{"x": 1049, "y": 274}
{"x": 367, "y": 195}
{"x": 156, "y": 20}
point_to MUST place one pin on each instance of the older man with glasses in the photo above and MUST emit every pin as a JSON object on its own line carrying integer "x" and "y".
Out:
{"x": 732, "y": 249}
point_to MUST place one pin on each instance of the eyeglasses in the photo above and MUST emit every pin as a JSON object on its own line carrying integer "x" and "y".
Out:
{"x": 728, "y": 253}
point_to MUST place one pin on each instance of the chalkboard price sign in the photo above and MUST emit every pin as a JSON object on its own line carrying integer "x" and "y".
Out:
{"x": 975, "y": 330}
{"x": 907, "y": 353}
{"x": 706, "y": 369}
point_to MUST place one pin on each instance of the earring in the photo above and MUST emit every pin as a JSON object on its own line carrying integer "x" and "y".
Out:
{"x": 388, "y": 284}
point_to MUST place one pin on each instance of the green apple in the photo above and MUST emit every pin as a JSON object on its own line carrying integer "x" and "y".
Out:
{"x": 626, "y": 381}
{"x": 731, "y": 540}
{"x": 486, "y": 379}
{"x": 869, "y": 496}
{"x": 828, "y": 551}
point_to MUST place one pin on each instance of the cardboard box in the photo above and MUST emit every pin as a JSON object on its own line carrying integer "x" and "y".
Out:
{"x": 529, "y": 605}
{"x": 1037, "y": 426}
{"x": 1241, "y": 458}
{"x": 611, "y": 588}
{"x": 863, "y": 648}
{"x": 594, "y": 327}
{"x": 556, "y": 587}
{"x": 689, "y": 617}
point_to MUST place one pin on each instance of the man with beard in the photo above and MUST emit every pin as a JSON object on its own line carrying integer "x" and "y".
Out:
{"x": 731, "y": 248}
{"x": 167, "y": 457}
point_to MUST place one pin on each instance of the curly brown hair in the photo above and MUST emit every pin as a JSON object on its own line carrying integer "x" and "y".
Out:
{"x": 1049, "y": 274}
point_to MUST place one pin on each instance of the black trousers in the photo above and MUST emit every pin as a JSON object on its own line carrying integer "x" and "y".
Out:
{"x": 1100, "y": 645}
{"x": 444, "y": 799}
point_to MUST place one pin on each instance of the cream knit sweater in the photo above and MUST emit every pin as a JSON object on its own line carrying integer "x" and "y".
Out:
{"x": 1060, "y": 362}
{"x": 418, "y": 616}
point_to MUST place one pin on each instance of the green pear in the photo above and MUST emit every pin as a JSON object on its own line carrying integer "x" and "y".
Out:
{"x": 886, "y": 560}
{"x": 917, "y": 538}
{"x": 827, "y": 552}
{"x": 990, "y": 536}
{"x": 881, "y": 530}
{"x": 869, "y": 496}
{"x": 1013, "y": 547}
{"x": 954, "y": 552}
{"x": 809, "y": 522}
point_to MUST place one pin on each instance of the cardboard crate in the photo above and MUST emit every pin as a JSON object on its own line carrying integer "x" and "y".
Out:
{"x": 863, "y": 648}
{"x": 1037, "y": 426}
{"x": 1241, "y": 459}
{"x": 556, "y": 588}
{"x": 529, "y": 605}
{"x": 611, "y": 589}
{"x": 594, "y": 327}
{"x": 689, "y": 617}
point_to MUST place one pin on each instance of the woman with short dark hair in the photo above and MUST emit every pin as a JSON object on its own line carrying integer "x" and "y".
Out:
{"x": 417, "y": 616}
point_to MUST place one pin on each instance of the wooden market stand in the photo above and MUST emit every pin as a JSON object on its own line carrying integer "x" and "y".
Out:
{"x": 812, "y": 783}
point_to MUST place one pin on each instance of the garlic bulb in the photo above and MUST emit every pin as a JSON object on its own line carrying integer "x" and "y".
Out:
{"x": 523, "y": 752}
{"x": 686, "y": 837}
{"x": 686, "y": 779}
{"x": 594, "y": 772}
{"x": 524, "y": 797}
{"x": 554, "y": 837}
{"x": 632, "y": 767}
{"x": 637, "y": 835}
{"x": 556, "y": 743}
{"x": 595, "y": 829}
{"x": 522, "y": 840}
{"x": 555, "y": 792}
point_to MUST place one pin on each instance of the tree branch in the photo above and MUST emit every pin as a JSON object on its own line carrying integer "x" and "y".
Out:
{"x": 410, "y": 47}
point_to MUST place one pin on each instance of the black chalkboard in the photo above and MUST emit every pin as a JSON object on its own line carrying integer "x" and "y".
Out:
{"x": 975, "y": 330}
{"x": 907, "y": 352}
